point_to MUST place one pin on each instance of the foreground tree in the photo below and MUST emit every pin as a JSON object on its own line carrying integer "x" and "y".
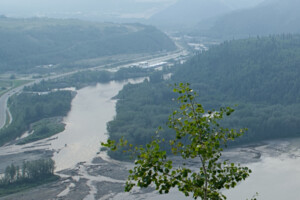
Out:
{"x": 198, "y": 136}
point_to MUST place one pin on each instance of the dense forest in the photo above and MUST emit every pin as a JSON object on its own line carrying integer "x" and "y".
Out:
{"x": 260, "y": 75}
{"x": 257, "y": 70}
{"x": 27, "y": 108}
{"x": 28, "y": 44}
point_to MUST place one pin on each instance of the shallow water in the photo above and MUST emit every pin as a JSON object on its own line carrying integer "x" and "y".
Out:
{"x": 276, "y": 176}
{"x": 85, "y": 129}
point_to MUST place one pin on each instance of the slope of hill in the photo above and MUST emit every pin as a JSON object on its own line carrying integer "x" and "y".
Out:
{"x": 26, "y": 43}
{"x": 270, "y": 17}
{"x": 261, "y": 75}
{"x": 186, "y": 13}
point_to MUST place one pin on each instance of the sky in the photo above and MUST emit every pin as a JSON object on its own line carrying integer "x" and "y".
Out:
{"x": 100, "y": 8}
{"x": 87, "y": 8}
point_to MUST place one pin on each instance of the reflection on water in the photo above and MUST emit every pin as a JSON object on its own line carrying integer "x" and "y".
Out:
{"x": 91, "y": 109}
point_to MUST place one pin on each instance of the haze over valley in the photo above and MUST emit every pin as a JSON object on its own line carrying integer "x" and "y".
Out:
{"x": 194, "y": 99}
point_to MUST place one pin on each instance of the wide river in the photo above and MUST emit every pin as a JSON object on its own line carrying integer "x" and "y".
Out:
{"x": 276, "y": 175}
{"x": 85, "y": 129}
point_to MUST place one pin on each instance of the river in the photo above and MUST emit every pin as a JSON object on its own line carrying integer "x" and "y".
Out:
{"x": 276, "y": 173}
{"x": 85, "y": 128}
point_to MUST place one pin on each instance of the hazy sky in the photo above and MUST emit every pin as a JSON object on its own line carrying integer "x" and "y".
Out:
{"x": 36, "y": 7}
{"x": 96, "y": 9}
{"x": 241, "y": 3}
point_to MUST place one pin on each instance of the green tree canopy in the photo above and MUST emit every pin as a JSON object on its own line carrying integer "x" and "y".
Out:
{"x": 198, "y": 136}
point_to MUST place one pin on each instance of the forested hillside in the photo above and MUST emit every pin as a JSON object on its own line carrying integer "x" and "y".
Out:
{"x": 29, "y": 43}
{"x": 261, "y": 75}
{"x": 257, "y": 70}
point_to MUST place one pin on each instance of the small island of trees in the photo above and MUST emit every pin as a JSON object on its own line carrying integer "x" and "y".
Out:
{"x": 30, "y": 174}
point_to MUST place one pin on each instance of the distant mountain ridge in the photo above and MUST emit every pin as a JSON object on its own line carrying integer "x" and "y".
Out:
{"x": 270, "y": 17}
{"x": 185, "y": 13}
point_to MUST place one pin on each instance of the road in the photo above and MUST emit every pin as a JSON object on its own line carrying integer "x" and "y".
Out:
{"x": 4, "y": 98}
